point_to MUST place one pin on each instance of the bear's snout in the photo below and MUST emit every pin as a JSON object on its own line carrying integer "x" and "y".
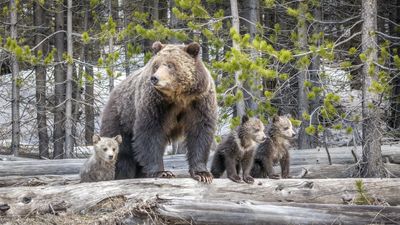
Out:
{"x": 154, "y": 80}
{"x": 110, "y": 157}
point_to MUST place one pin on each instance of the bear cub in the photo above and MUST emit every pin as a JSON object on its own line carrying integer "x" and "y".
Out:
{"x": 101, "y": 165}
{"x": 236, "y": 151}
{"x": 274, "y": 149}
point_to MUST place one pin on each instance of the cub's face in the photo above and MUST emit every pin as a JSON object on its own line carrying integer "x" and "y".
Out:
{"x": 255, "y": 129}
{"x": 106, "y": 148}
{"x": 173, "y": 68}
{"x": 284, "y": 127}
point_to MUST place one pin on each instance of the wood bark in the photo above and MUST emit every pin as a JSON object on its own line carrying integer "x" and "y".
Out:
{"x": 125, "y": 12}
{"x": 69, "y": 141}
{"x": 372, "y": 165}
{"x": 303, "y": 104}
{"x": 180, "y": 211}
{"x": 251, "y": 12}
{"x": 314, "y": 161}
{"x": 15, "y": 96}
{"x": 78, "y": 197}
{"x": 68, "y": 174}
{"x": 41, "y": 81}
{"x": 240, "y": 106}
{"x": 111, "y": 49}
{"x": 59, "y": 89}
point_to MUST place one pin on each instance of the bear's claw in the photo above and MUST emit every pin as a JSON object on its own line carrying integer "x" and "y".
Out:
{"x": 275, "y": 176}
{"x": 235, "y": 178}
{"x": 164, "y": 174}
{"x": 248, "y": 179}
{"x": 203, "y": 176}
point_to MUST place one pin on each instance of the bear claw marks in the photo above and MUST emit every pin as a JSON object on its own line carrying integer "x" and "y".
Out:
{"x": 203, "y": 176}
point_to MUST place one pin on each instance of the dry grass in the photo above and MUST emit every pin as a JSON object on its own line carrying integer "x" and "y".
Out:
{"x": 110, "y": 211}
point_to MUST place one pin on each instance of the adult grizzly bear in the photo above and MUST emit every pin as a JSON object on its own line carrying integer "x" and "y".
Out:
{"x": 173, "y": 95}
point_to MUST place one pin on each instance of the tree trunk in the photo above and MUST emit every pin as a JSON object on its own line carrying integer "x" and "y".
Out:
{"x": 314, "y": 161}
{"x": 395, "y": 98}
{"x": 111, "y": 49}
{"x": 372, "y": 165}
{"x": 89, "y": 106}
{"x": 186, "y": 211}
{"x": 314, "y": 78}
{"x": 59, "y": 77}
{"x": 69, "y": 140}
{"x": 303, "y": 105}
{"x": 88, "y": 55}
{"x": 251, "y": 13}
{"x": 125, "y": 4}
{"x": 40, "y": 71}
{"x": 77, "y": 197}
{"x": 15, "y": 83}
{"x": 240, "y": 106}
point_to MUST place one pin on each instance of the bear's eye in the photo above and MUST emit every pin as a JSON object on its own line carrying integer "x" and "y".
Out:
{"x": 155, "y": 67}
{"x": 105, "y": 149}
{"x": 257, "y": 130}
{"x": 286, "y": 128}
{"x": 113, "y": 149}
{"x": 170, "y": 66}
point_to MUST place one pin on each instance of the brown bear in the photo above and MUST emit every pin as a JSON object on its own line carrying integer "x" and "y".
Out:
{"x": 274, "y": 149}
{"x": 237, "y": 151}
{"x": 101, "y": 165}
{"x": 172, "y": 96}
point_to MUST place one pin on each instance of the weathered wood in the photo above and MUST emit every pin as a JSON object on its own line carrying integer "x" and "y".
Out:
{"x": 38, "y": 180}
{"x": 178, "y": 211}
{"x": 179, "y": 168}
{"x": 82, "y": 196}
{"x": 178, "y": 162}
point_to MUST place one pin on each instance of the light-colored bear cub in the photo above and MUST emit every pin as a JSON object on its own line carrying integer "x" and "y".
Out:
{"x": 101, "y": 165}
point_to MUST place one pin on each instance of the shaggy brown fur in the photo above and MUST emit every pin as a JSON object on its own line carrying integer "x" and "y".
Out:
{"x": 274, "y": 149}
{"x": 172, "y": 96}
{"x": 101, "y": 165}
{"x": 237, "y": 150}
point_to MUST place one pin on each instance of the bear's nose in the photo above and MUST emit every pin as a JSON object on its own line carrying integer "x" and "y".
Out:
{"x": 153, "y": 80}
{"x": 110, "y": 157}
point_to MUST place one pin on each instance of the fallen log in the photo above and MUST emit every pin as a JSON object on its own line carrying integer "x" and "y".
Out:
{"x": 83, "y": 196}
{"x": 13, "y": 181}
{"x": 302, "y": 171}
{"x": 176, "y": 164}
{"x": 177, "y": 211}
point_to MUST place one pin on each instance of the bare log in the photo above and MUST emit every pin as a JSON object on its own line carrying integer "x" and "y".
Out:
{"x": 38, "y": 180}
{"x": 79, "y": 197}
{"x": 177, "y": 211}
{"x": 46, "y": 174}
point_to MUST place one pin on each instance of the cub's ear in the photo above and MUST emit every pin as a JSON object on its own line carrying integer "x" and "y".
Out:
{"x": 245, "y": 118}
{"x": 118, "y": 138}
{"x": 96, "y": 138}
{"x": 193, "y": 49}
{"x": 288, "y": 115}
{"x": 157, "y": 46}
{"x": 275, "y": 119}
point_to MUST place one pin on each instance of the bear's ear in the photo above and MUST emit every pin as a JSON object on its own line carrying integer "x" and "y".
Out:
{"x": 118, "y": 138}
{"x": 193, "y": 49}
{"x": 157, "y": 46}
{"x": 275, "y": 119}
{"x": 96, "y": 138}
{"x": 245, "y": 118}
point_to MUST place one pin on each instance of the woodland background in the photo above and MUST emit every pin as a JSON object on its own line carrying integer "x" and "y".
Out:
{"x": 332, "y": 64}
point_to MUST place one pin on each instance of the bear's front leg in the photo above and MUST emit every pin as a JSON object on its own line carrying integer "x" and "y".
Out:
{"x": 199, "y": 136}
{"x": 148, "y": 144}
